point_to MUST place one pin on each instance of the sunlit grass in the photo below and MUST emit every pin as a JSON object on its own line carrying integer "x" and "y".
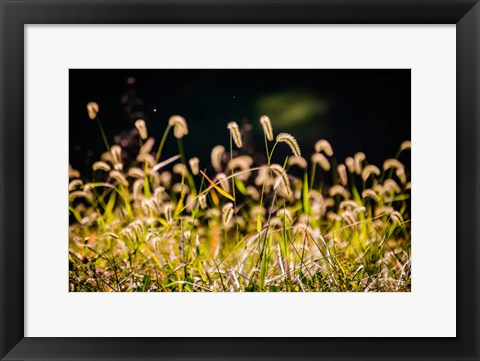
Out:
{"x": 228, "y": 224}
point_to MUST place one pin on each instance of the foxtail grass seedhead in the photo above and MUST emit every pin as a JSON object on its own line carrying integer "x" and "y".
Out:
{"x": 285, "y": 215}
{"x": 168, "y": 213}
{"x": 180, "y": 169}
{"x": 350, "y": 163}
{"x": 142, "y": 128}
{"x": 194, "y": 165}
{"x": 92, "y": 110}
{"x": 216, "y": 157}
{"x": 257, "y": 210}
{"x": 119, "y": 177}
{"x": 154, "y": 177}
{"x": 235, "y": 133}
{"x": 391, "y": 186}
{"x": 263, "y": 176}
{"x": 338, "y": 190}
{"x": 73, "y": 173}
{"x": 358, "y": 159}
{"x": 88, "y": 187}
{"x": 213, "y": 213}
{"x": 315, "y": 196}
{"x": 101, "y": 165}
{"x": 107, "y": 157}
{"x": 147, "y": 147}
{"x": 146, "y": 158}
{"x": 383, "y": 211}
{"x": 227, "y": 213}
{"x": 401, "y": 175}
{"x": 291, "y": 142}
{"x": 393, "y": 163}
{"x": 180, "y": 188}
{"x": 180, "y": 128}
{"x": 197, "y": 242}
{"x": 267, "y": 127}
{"x": 221, "y": 178}
{"x": 75, "y": 184}
{"x": 379, "y": 189}
{"x": 370, "y": 193}
{"x": 405, "y": 145}
{"x": 202, "y": 201}
{"x": 297, "y": 161}
{"x": 278, "y": 169}
{"x": 79, "y": 194}
{"x": 369, "y": 170}
{"x": 349, "y": 204}
{"x": 151, "y": 207}
{"x": 253, "y": 192}
{"x": 321, "y": 160}
{"x": 342, "y": 174}
{"x": 395, "y": 216}
{"x": 243, "y": 164}
{"x": 333, "y": 217}
{"x": 116, "y": 151}
{"x": 137, "y": 189}
{"x": 349, "y": 217}
{"x": 166, "y": 179}
{"x": 136, "y": 172}
{"x": 324, "y": 146}
{"x": 160, "y": 194}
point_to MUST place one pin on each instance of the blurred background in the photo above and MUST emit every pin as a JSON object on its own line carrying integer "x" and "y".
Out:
{"x": 355, "y": 110}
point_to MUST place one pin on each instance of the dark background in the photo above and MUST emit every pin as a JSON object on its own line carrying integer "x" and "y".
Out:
{"x": 356, "y": 110}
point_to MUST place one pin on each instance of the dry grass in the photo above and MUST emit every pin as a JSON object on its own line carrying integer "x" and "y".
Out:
{"x": 153, "y": 224}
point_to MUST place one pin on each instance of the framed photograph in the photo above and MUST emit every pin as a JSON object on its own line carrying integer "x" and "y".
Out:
{"x": 239, "y": 180}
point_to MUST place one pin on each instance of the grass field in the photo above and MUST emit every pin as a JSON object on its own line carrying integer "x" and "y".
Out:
{"x": 227, "y": 224}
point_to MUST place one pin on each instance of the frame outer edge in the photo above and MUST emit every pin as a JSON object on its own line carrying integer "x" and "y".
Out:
{"x": 468, "y": 176}
{"x": 11, "y": 297}
{"x": 11, "y": 178}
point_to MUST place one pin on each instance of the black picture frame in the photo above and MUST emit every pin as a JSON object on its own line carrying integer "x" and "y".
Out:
{"x": 15, "y": 14}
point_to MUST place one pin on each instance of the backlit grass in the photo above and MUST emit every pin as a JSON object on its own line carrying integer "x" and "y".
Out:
{"x": 227, "y": 224}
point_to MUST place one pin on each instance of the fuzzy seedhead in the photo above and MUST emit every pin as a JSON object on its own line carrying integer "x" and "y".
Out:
{"x": 168, "y": 213}
{"x": 297, "y": 161}
{"x": 142, "y": 128}
{"x": 395, "y": 164}
{"x": 101, "y": 165}
{"x": 338, "y": 190}
{"x": 342, "y": 174}
{"x": 221, "y": 178}
{"x": 358, "y": 159}
{"x": 324, "y": 146}
{"x": 406, "y": 145}
{"x": 370, "y": 193}
{"x": 369, "y": 170}
{"x": 291, "y": 142}
{"x": 179, "y": 124}
{"x": 267, "y": 127}
{"x": 194, "y": 165}
{"x": 147, "y": 147}
{"x": 119, "y": 177}
{"x": 227, "y": 213}
{"x": 216, "y": 157}
{"x": 202, "y": 201}
{"x": 321, "y": 160}
{"x": 278, "y": 169}
{"x": 136, "y": 172}
{"x": 92, "y": 110}
{"x": 235, "y": 133}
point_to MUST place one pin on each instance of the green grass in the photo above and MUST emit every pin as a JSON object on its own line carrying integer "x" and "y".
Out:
{"x": 138, "y": 227}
